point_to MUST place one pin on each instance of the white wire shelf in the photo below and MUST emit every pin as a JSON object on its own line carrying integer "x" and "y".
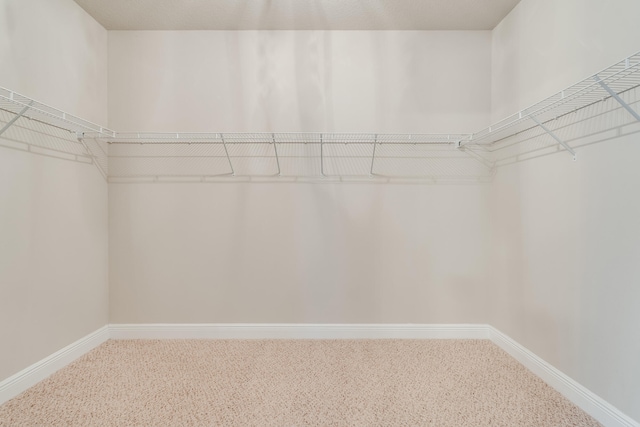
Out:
{"x": 293, "y": 158}
{"x": 29, "y": 125}
{"x": 605, "y": 101}
{"x": 31, "y": 109}
{"x": 281, "y": 138}
{"x": 596, "y": 109}
{"x": 292, "y": 155}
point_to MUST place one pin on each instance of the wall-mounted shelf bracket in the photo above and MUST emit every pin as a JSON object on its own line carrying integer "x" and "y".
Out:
{"x": 373, "y": 156}
{"x": 321, "y": 158}
{"x": 224, "y": 144}
{"x": 615, "y": 96}
{"x": 275, "y": 149}
{"x": 554, "y": 136}
{"x": 13, "y": 120}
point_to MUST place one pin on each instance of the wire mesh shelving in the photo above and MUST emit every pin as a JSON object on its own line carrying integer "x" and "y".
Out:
{"x": 595, "y": 109}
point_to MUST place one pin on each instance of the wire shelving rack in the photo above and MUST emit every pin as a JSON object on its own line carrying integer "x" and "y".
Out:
{"x": 578, "y": 115}
{"x": 595, "y": 109}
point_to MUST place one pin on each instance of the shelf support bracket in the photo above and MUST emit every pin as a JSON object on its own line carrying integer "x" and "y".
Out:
{"x": 321, "y": 158}
{"x": 373, "y": 156}
{"x": 554, "y": 136}
{"x": 12, "y": 121}
{"x": 273, "y": 138}
{"x": 224, "y": 144}
{"x": 615, "y": 96}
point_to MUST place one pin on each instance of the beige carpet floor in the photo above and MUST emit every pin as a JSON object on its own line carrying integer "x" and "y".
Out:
{"x": 293, "y": 383}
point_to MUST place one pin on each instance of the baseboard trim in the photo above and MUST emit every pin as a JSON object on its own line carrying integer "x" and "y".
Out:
{"x": 296, "y": 331}
{"x": 594, "y": 405}
{"x": 28, "y": 377}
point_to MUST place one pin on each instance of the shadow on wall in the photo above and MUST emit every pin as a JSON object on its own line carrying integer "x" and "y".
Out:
{"x": 508, "y": 252}
{"x": 341, "y": 263}
{"x": 234, "y": 67}
{"x": 311, "y": 49}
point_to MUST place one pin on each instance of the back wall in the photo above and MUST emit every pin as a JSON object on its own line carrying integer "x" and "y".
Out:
{"x": 298, "y": 252}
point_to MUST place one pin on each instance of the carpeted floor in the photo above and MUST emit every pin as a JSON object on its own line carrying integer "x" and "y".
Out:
{"x": 293, "y": 383}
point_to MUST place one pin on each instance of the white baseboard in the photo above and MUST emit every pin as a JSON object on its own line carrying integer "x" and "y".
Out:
{"x": 296, "y": 331}
{"x": 28, "y": 377}
{"x": 598, "y": 408}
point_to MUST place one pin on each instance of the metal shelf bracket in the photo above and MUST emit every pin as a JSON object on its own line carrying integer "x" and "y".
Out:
{"x": 373, "y": 156}
{"x": 554, "y": 136}
{"x": 224, "y": 144}
{"x": 12, "y": 121}
{"x": 321, "y": 158}
{"x": 615, "y": 96}
{"x": 273, "y": 138}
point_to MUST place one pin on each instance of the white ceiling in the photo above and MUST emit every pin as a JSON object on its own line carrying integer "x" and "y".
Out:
{"x": 298, "y": 14}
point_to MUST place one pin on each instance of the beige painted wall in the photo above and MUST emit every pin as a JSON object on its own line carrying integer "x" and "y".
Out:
{"x": 298, "y": 252}
{"x": 53, "y": 213}
{"x": 566, "y": 234}
{"x": 333, "y": 81}
{"x": 328, "y": 253}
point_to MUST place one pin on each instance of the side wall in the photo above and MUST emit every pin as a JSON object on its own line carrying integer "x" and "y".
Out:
{"x": 53, "y": 212}
{"x": 298, "y": 252}
{"x": 567, "y": 235}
